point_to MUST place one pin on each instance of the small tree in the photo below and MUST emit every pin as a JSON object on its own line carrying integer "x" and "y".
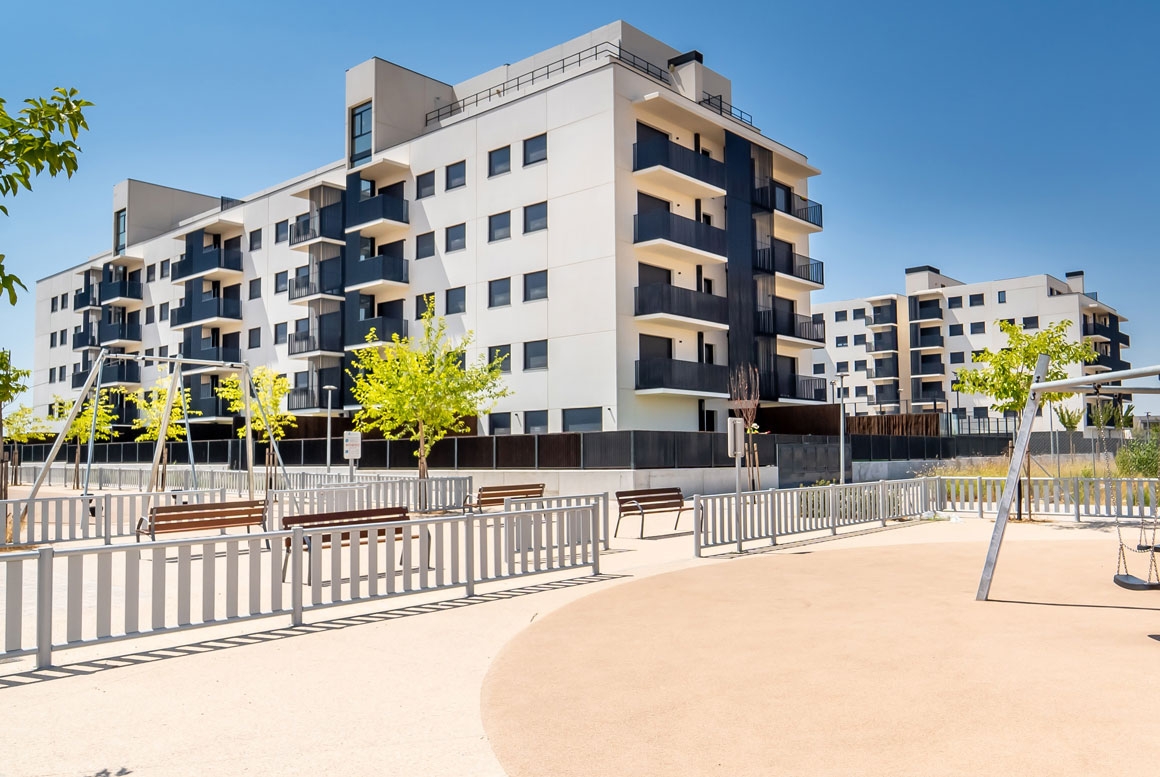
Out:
{"x": 1069, "y": 419}
{"x": 13, "y": 383}
{"x": 422, "y": 389}
{"x": 40, "y": 137}
{"x": 82, "y": 426}
{"x": 270, "y": 388}
{"x": 150, "y": 409}
{"x": 745, "y": 395}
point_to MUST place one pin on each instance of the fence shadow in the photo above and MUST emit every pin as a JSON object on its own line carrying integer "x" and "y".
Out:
{"x": 816, "y": 540}
{"x": 86, "y": 668}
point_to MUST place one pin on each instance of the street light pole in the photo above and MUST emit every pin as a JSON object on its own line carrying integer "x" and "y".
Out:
{"x": 329, "y": 405}
{"x": 841, "y": 392}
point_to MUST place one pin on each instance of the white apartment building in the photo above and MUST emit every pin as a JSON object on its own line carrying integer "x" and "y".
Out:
{"x": 901, "y": 352}
{"x": 568, "y": 209}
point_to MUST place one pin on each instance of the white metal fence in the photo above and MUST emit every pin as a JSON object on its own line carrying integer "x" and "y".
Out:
{"x": 416, "y": 495}
{"x": 599, "y": 500}
{"x": 56, "y": 599}
{"x": 777, "y": 513}
{"x": 1076, "y": 498}
{"x": 50, "y": 519}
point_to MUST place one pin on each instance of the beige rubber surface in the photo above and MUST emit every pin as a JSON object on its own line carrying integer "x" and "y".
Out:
{"x": 859, "y": 661}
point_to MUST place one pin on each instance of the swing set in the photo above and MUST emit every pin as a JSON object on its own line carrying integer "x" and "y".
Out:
{"x": 1148, "y": 534}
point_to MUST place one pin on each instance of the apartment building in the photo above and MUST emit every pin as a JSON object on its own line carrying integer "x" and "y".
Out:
{"x": 901, "y": 352}
{"x": 600, "y": 214}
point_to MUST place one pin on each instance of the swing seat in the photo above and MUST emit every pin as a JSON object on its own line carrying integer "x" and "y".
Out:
{"x": 1133, "y": 583}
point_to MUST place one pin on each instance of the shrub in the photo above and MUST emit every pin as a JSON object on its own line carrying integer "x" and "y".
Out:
{"x": 1139, "y": 458}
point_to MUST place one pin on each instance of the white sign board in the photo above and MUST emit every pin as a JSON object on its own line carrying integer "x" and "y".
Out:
{"x": 736, "y": 437}
{"x": 352, "y": 445}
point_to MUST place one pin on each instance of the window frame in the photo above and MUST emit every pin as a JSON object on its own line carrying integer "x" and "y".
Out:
{"x": 495, "y": 351}
{"x": 496, "y": 165}
{"x": 447, "y": 249}
{"x": 460, "y": 166}
{"x": 494, "y": 288}
{"x": 496, "y": 229}
{"x": 256, "y": 239}
{"x": 362, "y": 126}
{"x": 419, "y": 190}
{"x": 281, "y": 281}
{"x": 418, "y": 245}
{"x": 528, "y": 367}
{"x": 528, "y": 298}
{"x": 462, "y": 292}
{"x": 528, "y": 227}
{"x": 542, "y": 136}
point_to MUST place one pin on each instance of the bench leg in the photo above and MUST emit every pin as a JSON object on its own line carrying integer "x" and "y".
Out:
{"x": 618, "y": 517}
{"x": 642, "y": 524}
{"x": 285, "y": 564}
{"x": 678, "y": 521}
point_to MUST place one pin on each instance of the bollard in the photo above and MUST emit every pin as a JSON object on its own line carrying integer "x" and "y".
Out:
{"x": 44, "y": 608}
{"x": 296, "y": 577}
{"x": 469, "y": 551}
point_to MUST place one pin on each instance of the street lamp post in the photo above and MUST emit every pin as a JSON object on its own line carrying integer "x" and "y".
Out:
{"x": 841, "y": 392}
{"x": 329, "y": 404}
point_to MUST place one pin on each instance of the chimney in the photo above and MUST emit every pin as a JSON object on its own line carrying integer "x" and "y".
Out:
{"x": 1075, "y": 281}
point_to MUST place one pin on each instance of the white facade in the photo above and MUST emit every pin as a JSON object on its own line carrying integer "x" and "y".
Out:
{"x": 418, "y": 208}
{"x": 931, "y": 332}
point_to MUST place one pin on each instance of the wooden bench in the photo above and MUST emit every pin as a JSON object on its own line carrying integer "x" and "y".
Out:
{"x": 342, "y": 520}
{"x": 168, "y": 519}
{"x": 494, "y": 496}
{"x": 649, "y": 500}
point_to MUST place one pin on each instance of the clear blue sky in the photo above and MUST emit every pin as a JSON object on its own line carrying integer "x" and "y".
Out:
{"x": 990, "y": 139}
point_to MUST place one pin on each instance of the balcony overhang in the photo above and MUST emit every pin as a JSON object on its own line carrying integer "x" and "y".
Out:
{"x": 120, "y": 341}
{"x": 210, "y": 274}
{"x": 306, "y": 299}
{"x": 334, "y": 181}
{"x": 380, "y": 229}
{"x": 882, "y": 378}
{"x": 121, "y": 301}
{"x": 670, "y": 184}
{"x": 221, "y": 322}
{"x": 784, "y": 222}
{"x": 394, "y": 162}
{"x": 221, "y": 223}
{"x": 130, "y": 259}
{"x": 662, "y": 248}
{"x": 797, "y": 344}
{"x": 682, "y": 322}
{"x": 798, "y": 283}
{"x": 682, "y": 393}
{"x": 931, "y": 347}
{"x": 378, "y": 284}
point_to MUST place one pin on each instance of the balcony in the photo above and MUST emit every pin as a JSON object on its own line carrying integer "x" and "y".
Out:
{"x": 125, "y": 294}
{"x": 791, "y": 211}
{"x": 1105, "y": 362}
{"x": 79, "y": 378}
{"x": 801, "y": 388}
{"x": 925, "y": 342}
{"x": 684, "y": 308}
{"x": 324, "y": 281}
{"x": 883, "y": 343}
{"x": 795, "y": 267}
{"x": 86, "y": 338}
{"x": 379, "y": 217}
{"x": 672, "y": 376}
{"x": 784, "y": 324}
{"x": 308, "y": 398}
{"x": 118, "y": 373}
{"x": 210, "y": 264}
{"x": 314, "y": 342}
{"x": 322, "y": 226}
{"x": 665, "y": 168}
{"x": 882, "y": 317}
{"x": 669, "y": 236}
{"x": 887, "y": 370}
{"x": 930, "y": 368}
{"x": 887, "y": 395}
{"x": 1104, "y": 333}
{"x": 385, "y": 328}
{"x": 122, "y": 335}
{"x": 86, "y": 298}
{"x": 927, "y": 313}
{"x": 377, "y": 273}
{"x": 211, "y": 408}
{"x": 207, "y": 312}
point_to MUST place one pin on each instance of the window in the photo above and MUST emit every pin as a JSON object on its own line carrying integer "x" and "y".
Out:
{"x": 148, "y": 352}
{"x": 281, "y": 231}
{"x": 366, "y": 248}
{"x": 1002, "y": 297}
{"x": 255, "y": 288}
{"x": 55, "y": 302}
{"x": 840, "y": 315}
{"x": 499, "y": 227}
{"x": 499, "y": 161}
{"x": 958, "y": 357}
{"x": 841, "y": 342}
{"x": 280, "y": 334}
{"x": 501, "y": 352}
{"x": 978, "y": 327}
{"x": 499, "y": 292}
{"x": 1031, "y": 322}
{"x": 499, "y": 423}
{"x": 535, "y": 285}
{"x": 860, "y": 391}
{"x": 120, "y": 226}
{"x": 255, "y": 239}
{"x": 280, "y": 282}
{"x": 456, "y": 175}
{"x": 819, "y": 369}
{"x": 256, "y": 338}
{"x": 52, "y": 339}
{"x": 535, "y": 149}
{"x": 366, "y": 189}
{"x": 536, "y": 422}
{"x": 52, "y": 374}
{"x": 360, "y": 133}
{"x": 954, "y": 302}
{"x": 149, "y": 312}
{"x": 425, "y": 185}
{"x": 976, "y": 300}
{"x": 536, "y": 355}
{"x": 151, "y": 273}
{"x": 980, "y": 412}
{"x": 860, "y": 365}
{"x": 422, "y": 301}
{"x": 63, "y": 337}
{"x": 842, "y": 367}
{"x": 1010, "y": 321}
{"x": 163, "y": 351}
{"x": 164, "y": 268}
{"x": 860, "y": 314}
{"x": 455, "y": 238}
{"x": 955, "y": 329}
{"x": 425, "y": 245}
{"x": 859, "y": 339}
{"x": 535, "y": 217}
{"x": 582, "y": 419}
{"x": 456, "y": 300}
{"x": 163, "y": 312}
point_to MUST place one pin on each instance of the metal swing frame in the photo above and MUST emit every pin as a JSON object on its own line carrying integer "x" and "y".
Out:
{"x": 1085, "y": 384}
{"x": 92, "y": 388}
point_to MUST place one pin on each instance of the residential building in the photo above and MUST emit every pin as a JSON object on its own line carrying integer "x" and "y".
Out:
{"x": 568, "y": 209}
{"x": 902, "y": 352}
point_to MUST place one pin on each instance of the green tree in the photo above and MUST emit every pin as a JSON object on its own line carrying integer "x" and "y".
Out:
{"x": 422, "y": 389}
{"x": 23, "y": 425}
{"x": 1069, "y": 419}
{"x": 150, "y": 409}
{"x": 40, "y": 137}
{"x": 13, "y": 383}
{"x": 82, "y": 426}
{"x": 270, "y": 389}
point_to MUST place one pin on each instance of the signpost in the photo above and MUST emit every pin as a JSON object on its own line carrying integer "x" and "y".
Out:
{"x": 736, "y": 444}
{"x": 351, "y": 449}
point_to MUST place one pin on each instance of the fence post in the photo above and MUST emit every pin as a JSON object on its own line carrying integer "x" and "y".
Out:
{"x": 833, "y": 510}
{"x": 296, "y": 577}
{"x": 222, "y": 494}
{"x": 595, "y": 541}
{"x": 604, "y": 514}
{"x": 1075, "y": 491}
{"x": 469, "y": 551}
{"x": 697, "y": 526}
{"x": 107, "y": 517}
{"x": 979, "y": 493}
{"x": 44, "y": 607}
{"x": 882, "y": 501}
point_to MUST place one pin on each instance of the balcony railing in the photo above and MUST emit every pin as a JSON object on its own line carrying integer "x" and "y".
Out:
{"x": 378, "y": 268}
{"x": 381, "y": 206}
{"x": 661, "y": 225}
{"x": 1111, "y": 362}
{"x": 313, "y": 340}
{"x": 883, "y": 342}
{"x": 86, "y": 298}
{"x": 793, "y": 386}
{"x": 887, "y": 397}
{"x": 930, "y": 368}
{"x": 121, "y": 331}
{"x": 384, "y": 328}
{"x": 200, "y": 310}
{"x": 119, "y": 372}
{"x": 1095, "y": 329}
{"x": 776, "y": 322}
{"x": 928, "y": 313}
{"x": 86, "y": 338}
{"x": 326, "y": 279}
{"x": 928, "y": 341}
{"x": 326, "y": 222}
{"x": 930, "y": 395}
{"x": 111, "y": 290}
{"x": 886, "y": 370}
{"x": 209, "y": 407}
{"x": 674, "y": 156}
{"x": 663, "y": 298}
{"x": 882, "y": 317}
{"x": 208, "y": 260}
{"x": 772, "y": 259}
{"x": 659, "y": 373}
{"x": 79, "y": 378}
{"x": 311, "y": 398}
{"x": 214, "y": 353}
